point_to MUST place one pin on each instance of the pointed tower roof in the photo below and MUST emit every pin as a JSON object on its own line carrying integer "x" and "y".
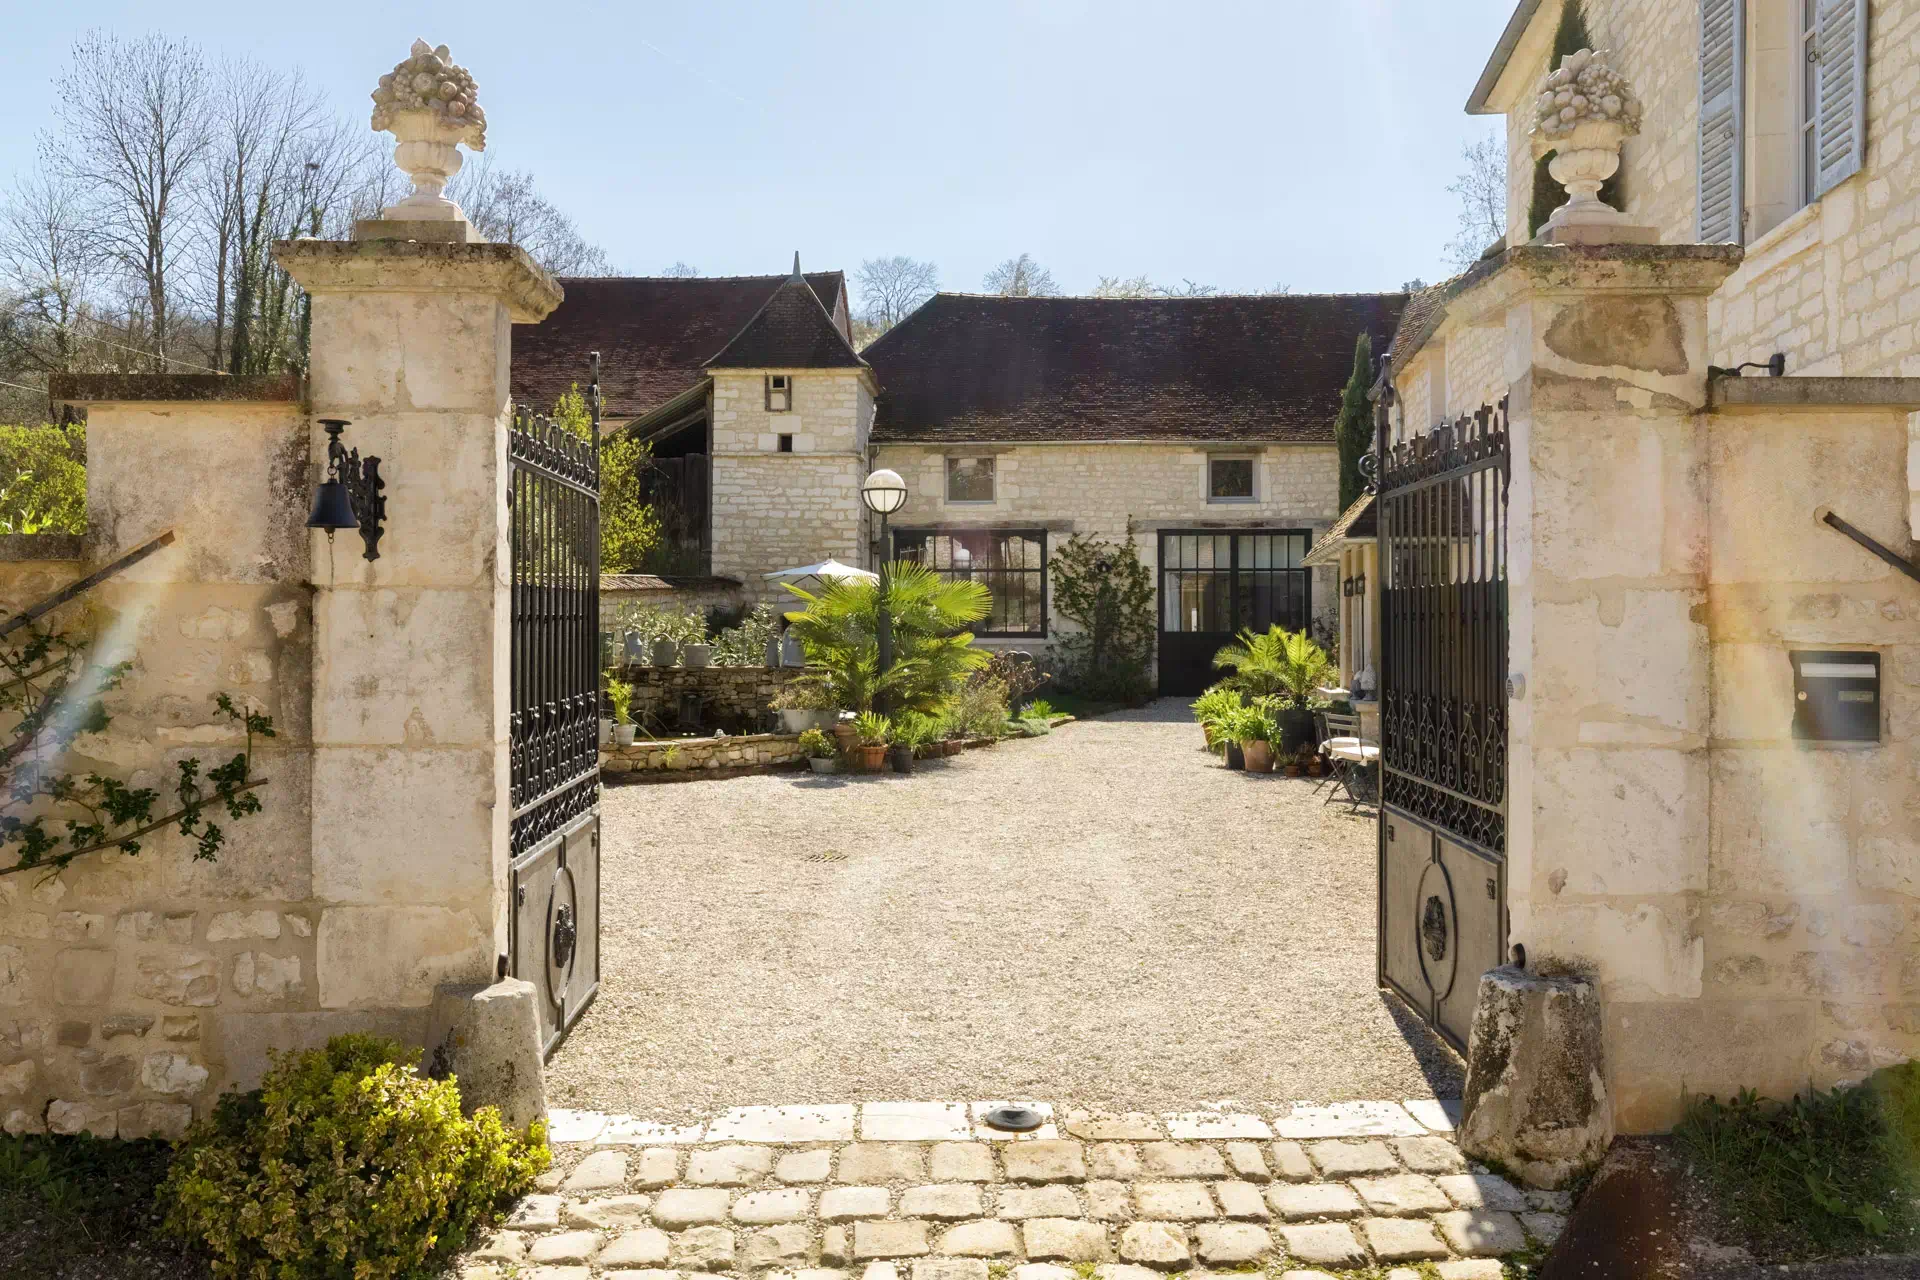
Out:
{"x": 792, "y": 330}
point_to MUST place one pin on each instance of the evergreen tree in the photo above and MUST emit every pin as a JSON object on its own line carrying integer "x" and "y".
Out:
{"x": 1570, "y": 37}
{"x": 1353, "y": 429}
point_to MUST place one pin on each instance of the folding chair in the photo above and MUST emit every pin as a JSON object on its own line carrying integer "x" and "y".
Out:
{"x": 1335, "y": 731}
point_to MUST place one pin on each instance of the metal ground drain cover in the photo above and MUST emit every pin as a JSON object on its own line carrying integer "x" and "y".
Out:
{"x": 1015, "y": 1119}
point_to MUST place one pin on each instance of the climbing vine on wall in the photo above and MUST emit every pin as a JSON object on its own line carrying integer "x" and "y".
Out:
{"x": 1107, "y": 592}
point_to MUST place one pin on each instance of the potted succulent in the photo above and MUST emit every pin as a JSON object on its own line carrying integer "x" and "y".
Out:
{"x": 822, "y": 755}
{"x": 620, "y": 694}
{"x": 871, "y": 731}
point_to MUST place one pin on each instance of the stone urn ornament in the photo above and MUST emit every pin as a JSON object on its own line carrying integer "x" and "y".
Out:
{"x": 430, "y": 105}
{"x": 1584, "y": 112}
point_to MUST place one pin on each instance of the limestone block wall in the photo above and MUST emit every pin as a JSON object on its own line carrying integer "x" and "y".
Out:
{"x": 832, "y": 409}
{"x": 1120, "y": 491}
{"x": 131, "y": 987}
{"x": 687, "y": 755}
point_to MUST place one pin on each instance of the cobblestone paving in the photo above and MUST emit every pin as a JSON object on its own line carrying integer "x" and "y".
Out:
{"x": 925, "y": 1191}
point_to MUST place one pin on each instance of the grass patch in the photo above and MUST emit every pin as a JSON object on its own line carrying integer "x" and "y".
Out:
{"x": 1828, "y": 1174}
{"x": 1072, "y": 704}
{"x": 73, "y": 1207}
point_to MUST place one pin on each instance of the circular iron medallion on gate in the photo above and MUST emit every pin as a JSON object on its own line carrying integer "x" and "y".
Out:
{"x": 1435, "y": 926}
{"x": 562, "y": 935}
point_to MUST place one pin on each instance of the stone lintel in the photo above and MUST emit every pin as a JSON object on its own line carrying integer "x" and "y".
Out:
{"x": 173, "y": 388}
{"x": 420, "y": 266}
{"x": 1736, "y": 394}
{"x": 1002, "y": 522}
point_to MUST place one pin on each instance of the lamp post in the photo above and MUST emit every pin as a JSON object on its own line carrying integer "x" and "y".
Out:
{"x": 884, "y": 493}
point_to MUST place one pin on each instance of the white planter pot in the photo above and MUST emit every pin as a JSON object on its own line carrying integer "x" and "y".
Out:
{"x": 697, "y": 655}
{"x": 623, "y": 734}
{"x": 800, "y": 721}
{"x": 606, "y": 730}
{"x": 824, "y": 764}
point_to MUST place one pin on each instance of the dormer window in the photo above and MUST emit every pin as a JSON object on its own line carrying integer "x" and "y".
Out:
{"x": 779, "y": 392}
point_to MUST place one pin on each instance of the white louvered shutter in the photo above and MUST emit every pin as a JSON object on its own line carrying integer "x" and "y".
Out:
{"x": 1723, "y": 108}
{"x": 1840, "y": 92}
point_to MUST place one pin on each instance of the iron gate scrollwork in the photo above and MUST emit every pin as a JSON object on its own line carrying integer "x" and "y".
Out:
{"x": 1442, "y": 518}
{"x": 553, "y": 502}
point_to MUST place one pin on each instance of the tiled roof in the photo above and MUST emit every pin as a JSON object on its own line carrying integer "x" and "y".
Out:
{"x": 1357, "y": 521}
{"x": 792, "y": 331}
{"x": 968, "y": 367}
{"x": 653, "y": 334}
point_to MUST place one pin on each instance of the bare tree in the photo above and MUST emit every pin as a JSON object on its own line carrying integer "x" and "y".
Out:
{"x": 50, "y": 258}
{"x": 1482, "y": 189}
{"x": 892, "y": 288}
{"x": 135, "y": 129}
{"x": 1277, "y": 291}
{"x": 1117, "y": 287}
{"x": 505, "y": 208}
{"x": 1021, "y": 277}
{"x": 681, "y": 271}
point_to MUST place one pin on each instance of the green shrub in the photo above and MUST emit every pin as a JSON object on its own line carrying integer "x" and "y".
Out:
{"x": 978, "y": 710}
{"x": 817, "y": 745}
{"x": 344, "y": 1165}
{"x": 1038, "y": 709}
{"x": 43, "y": 479}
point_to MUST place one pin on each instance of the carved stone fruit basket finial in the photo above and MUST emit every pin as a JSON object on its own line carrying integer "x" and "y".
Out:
{"x": 1584, "y": 112}
{"x": 430, "y": 105}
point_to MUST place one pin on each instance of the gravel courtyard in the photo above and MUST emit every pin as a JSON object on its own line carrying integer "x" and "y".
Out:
{"x": 1103, "y": 917}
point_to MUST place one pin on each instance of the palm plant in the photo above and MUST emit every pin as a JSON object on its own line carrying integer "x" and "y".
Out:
{"x": 1279, "y": 663}
{"x": 932, "y": 650}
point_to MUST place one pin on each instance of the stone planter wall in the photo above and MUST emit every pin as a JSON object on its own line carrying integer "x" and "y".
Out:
{"x": 686, "y": 755}
{"x": 732, "y": 694}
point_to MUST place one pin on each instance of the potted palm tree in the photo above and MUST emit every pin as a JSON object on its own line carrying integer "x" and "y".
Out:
{"x": 871, "y": 731}
{"x": 1283, "y": 664}
{"x": 822, "y": 755}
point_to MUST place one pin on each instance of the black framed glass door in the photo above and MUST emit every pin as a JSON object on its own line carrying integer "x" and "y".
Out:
{"x": 1215, "y": 583}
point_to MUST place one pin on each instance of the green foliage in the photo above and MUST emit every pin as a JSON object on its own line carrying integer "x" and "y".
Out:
{"x": 978, "y": 709}
{"x": 344, "y": 1163}
{"x": 872, "y": 729}
{"x": 43, "y": 479}
{"x": 629, "y": 527}
{"x": 66, "y": 1197}
{"x": 1038, "y": 709}
{"x": 932, "y": 654}
{"x": 1105, "y": 590}
{"x": 620, "y": 695}
{"x": 1257, "y": 721}
{"x": 1898, "y": 1092}
{"x": 912, "y": 729}
{"x": 817, "y": 745}
{"x": 1212, "y": 709}
{"x": 1826, "y": 1174}
{"x": 1353, "y": 429}
{"x": 745, "y": 645}
{"x": 1279, "y": 662}
{"x": 1570, "y": 37}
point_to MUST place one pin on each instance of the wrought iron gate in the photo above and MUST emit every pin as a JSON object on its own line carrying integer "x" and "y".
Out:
{"x": 1443, "y": 725}
{"x": 553, "y": 502}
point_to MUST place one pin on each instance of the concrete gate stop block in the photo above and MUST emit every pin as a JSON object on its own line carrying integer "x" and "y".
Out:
{"x": 1536, "y": 1097}
{"x": 488, "y": 1039}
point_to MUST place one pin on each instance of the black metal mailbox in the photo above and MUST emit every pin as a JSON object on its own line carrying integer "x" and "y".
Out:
{"x": 1836, "y": 695}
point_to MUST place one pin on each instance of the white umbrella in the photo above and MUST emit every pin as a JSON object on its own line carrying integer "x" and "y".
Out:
{"x": 825, "y": 571}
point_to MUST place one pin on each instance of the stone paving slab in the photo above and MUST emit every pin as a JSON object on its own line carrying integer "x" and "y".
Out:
{"x": 843, "y": 1193}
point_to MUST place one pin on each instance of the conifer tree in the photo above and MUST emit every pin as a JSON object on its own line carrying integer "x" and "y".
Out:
{"x": 1353, "y": 429}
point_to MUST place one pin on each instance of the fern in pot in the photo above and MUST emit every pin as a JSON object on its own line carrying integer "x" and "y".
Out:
{"x": 620, "y": 694}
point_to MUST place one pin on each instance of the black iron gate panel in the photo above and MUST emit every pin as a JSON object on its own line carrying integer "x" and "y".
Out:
{"x": 1443, "y": 726}
{"x": 553, "y": 501}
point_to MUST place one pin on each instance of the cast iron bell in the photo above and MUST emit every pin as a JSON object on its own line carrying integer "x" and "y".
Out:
{"x": 350, "y": 497}
{"x": 332, "y": 509}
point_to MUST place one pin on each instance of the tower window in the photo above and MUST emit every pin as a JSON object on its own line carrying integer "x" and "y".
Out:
{"x": 786, "y": 444}
{"x": 779, "y": 393}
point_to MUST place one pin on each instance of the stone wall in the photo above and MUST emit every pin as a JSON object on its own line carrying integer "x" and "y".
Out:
{"x": 684, "y": 755}
{"x": 732, "y": 694}
{"x": 1117, "y": 491}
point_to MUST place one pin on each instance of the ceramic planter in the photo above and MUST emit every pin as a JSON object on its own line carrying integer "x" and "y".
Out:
{"x": 901, "y": 757}
{"x": 1235, "y": 760}
{"x": 623, "y": 734}
{"x": 1258, "y": 755}
{"x": 606, "y": 730}
{"x": 823, "y": 764}
{"x": 697, "y": 655}
{"x": 869, "y": 759}
{"x": 665, "y": 652}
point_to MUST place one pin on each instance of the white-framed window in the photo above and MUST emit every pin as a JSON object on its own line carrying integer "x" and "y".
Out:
{"x": 779, "y": 392}
{"x": 970, "y": 479}
{"x": 1230, "y": 478}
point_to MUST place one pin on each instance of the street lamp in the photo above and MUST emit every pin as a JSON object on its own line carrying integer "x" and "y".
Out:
{"x": 884, "y": 493}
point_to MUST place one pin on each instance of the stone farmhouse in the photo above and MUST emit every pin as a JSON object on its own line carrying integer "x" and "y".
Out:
{"x": 1741, "y": 874}
{"x": 1199, "y": 428}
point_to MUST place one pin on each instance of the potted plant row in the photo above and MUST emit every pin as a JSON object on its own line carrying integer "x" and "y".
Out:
{"x": 822, "y": 755}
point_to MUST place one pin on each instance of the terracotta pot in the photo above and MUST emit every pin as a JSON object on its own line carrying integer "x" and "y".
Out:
{"x": 869, "y": 759}
{"x": 1258, "y": 755}
{"x": 844, "y": 735}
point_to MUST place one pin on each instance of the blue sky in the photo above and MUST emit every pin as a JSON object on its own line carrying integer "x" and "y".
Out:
{"x": 1242, "y": 145}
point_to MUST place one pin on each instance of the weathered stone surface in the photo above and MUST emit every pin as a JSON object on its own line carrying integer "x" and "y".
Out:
{"x": 729, "y": 1166}
{"x": 961, "y": 1162}
{"x": 1108, "y": 1202}
{"x": 1201, "y": 1125}
{"x": 536, "y": 1213}
{"x": 1173, "y": 1201}
{"x": 1290, "y": 1162}
{"x": 501, "y": 1246}
{"x": 949, "y": 1269}
{"x": 1110, "y": 1126}
{"x": 1119, "y": 1160}
{"x": 169, "y": 1120}
{"x": 66, "y": 1117}
{"x": 600, "y": 1171}
{"x": 172, "y": 1073}
{"x": 1536, "y": 1100}
{"x": 1247, "y": 1161}
{"x": 842, "y": 1204}
{"x": 1544, "y": 1227}
{"x": 1181, "y": 1160}
{"x": 876, "y": 1162}
{"x": 488, "y": 1037}
{"x": 1470, "y": 1269}
{"x": 948, "y": 1201}
{"x": 609, "y": 1213}
{"x": 577, "y": 1247}
{"x": 789, "y": 1204}
{"x": 888, "y": 1240}
{"x": 229, "y": 925}
{"x": 1037, "y": 1202}
{"x": 1066, "y": 1239}
{"x": 84, "y": 975}
{"x": 646, "y": 1247}
{"x": 1482, "y": 1191}
{"x": 910, "y": 1121}
{"x": 1401, "y": 1195}
{"x": 1042, "y": 1271}
{"x": 704, "y": 1249}
{"x": 1227, "y": 1244}
{"x": 1429, "y": 1155}
{"x": 1340, "y": 1159}
{"x": 804, "y": 1166}
{"x": 1402, "y": 1239}
{"x": 1481, "y": 1233}
{"x": 1297, "y": 1201}
{"x": 105, "y": 1077}
{"x": 982, "y": 1239}
{"x": 1326, "y": 1244}
{"x": 835, "y": 1248}
{"x": 659, "y": 1166}
{"x": 689, "y": 1206}
{"x": 1242, "y": 1200}
{"x": 1045, "y": 1162}
{"x": 1155, "y": 1244}
{"x": 124, "y": 1024}
{"x": 787, "y": 1243}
